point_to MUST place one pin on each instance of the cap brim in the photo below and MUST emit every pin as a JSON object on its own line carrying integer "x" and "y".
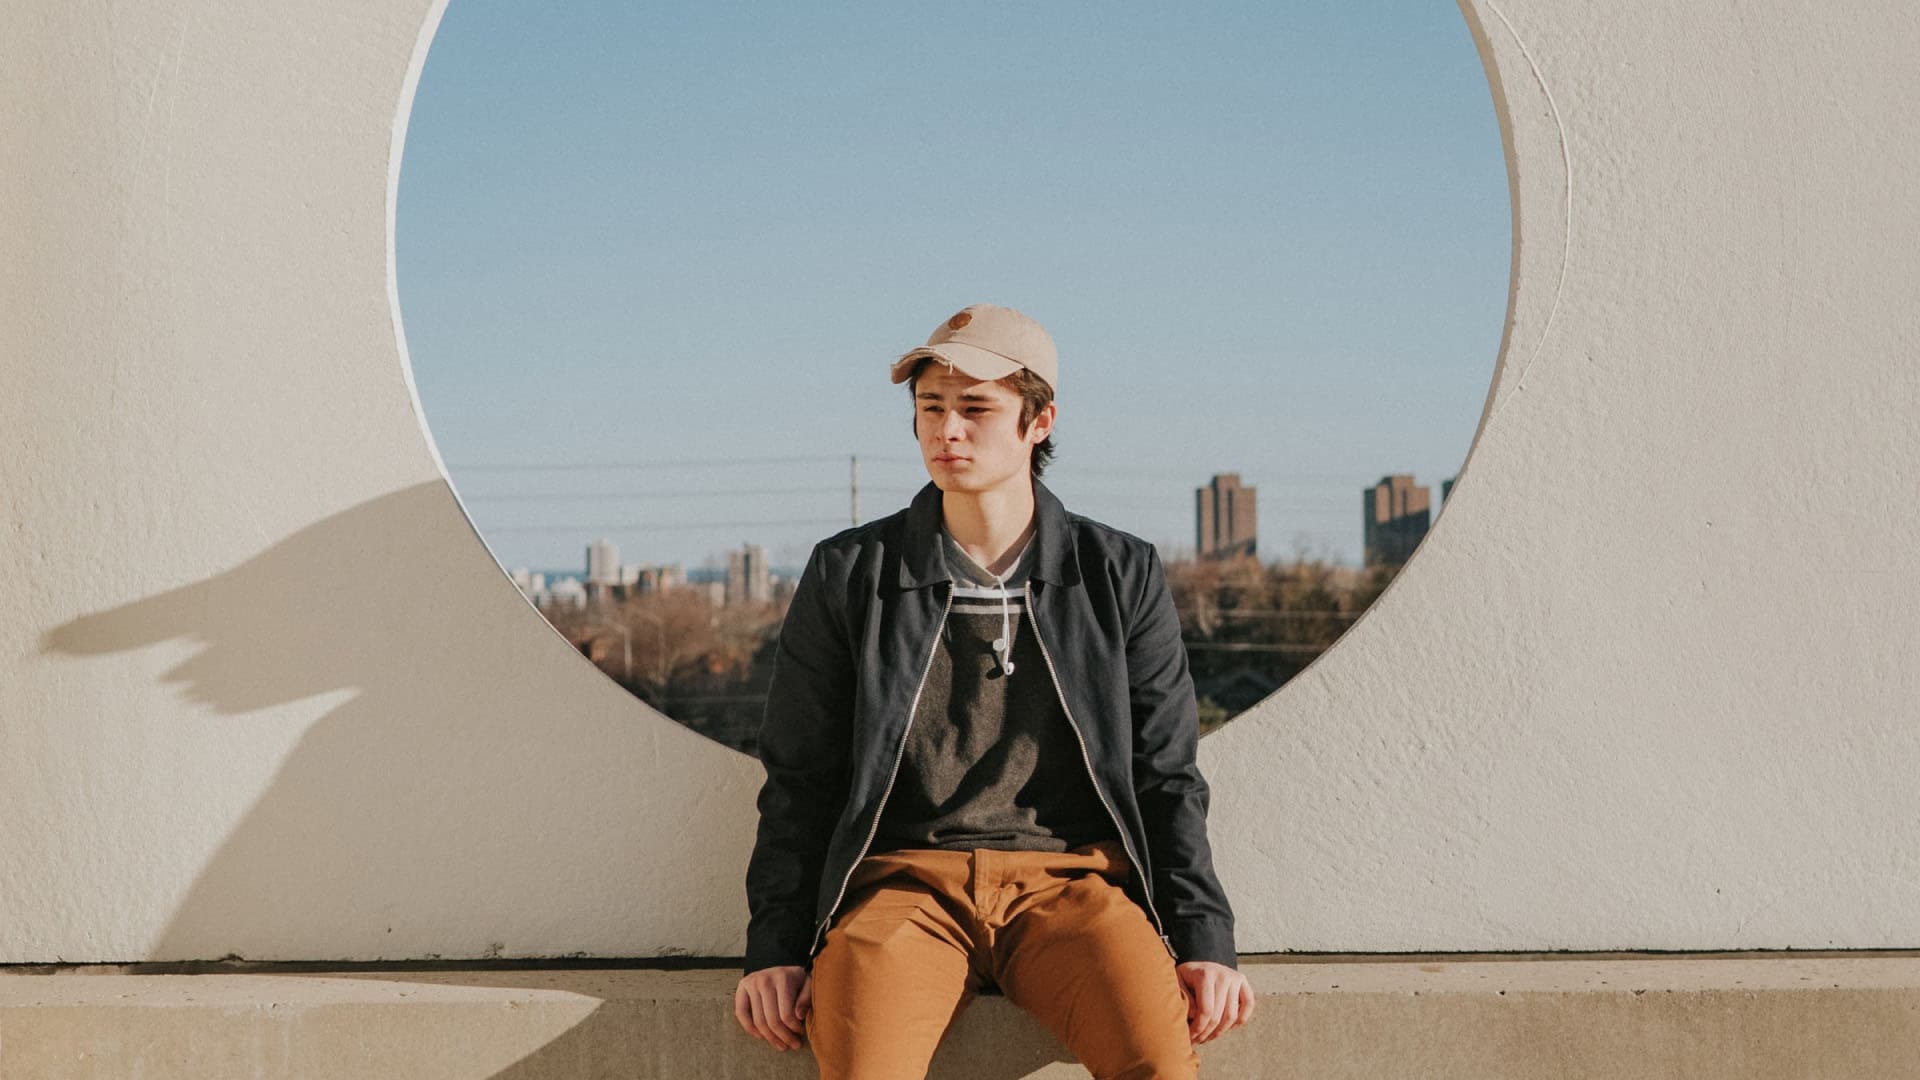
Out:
{"x": 967, "y": 359}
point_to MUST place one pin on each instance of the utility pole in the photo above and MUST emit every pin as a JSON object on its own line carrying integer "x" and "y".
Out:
{"x": 853, "y": 480}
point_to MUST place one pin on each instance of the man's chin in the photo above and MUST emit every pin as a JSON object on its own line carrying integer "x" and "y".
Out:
{"x": 952, "y": 484}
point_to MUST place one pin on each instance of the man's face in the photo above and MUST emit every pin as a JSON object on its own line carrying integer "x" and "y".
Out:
{"x": 969, "y": 431}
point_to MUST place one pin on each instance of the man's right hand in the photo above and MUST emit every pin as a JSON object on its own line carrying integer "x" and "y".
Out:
{"x": 773, "y": 1003}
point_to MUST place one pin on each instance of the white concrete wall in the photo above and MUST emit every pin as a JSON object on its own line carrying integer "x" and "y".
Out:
{"x": 1649, "y": 683}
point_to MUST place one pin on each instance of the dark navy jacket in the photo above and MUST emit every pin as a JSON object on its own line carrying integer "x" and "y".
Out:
{"x": 851, "y": 658}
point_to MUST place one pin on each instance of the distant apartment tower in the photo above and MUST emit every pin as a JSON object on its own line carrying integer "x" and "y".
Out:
{"x": 1395, "y": 514}
{"x": 747, "y": 576}
{"x": 1224, "y": 521}
{"x": 603, "y": 563}
{"x": 657, "y": 577}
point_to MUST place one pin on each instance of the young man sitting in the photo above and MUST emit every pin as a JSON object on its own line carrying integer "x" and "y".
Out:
{"x": 979, "y": 745}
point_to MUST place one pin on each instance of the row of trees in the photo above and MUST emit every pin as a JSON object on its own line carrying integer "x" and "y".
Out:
{"x": 1248, "y": 626}
{"x": 706, "y": 665}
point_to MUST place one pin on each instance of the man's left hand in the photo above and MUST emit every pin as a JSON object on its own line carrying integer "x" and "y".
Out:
{"x": 1219, "y": 998}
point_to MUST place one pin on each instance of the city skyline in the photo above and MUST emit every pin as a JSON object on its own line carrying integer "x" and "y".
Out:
{"x": 1389, "y": 535}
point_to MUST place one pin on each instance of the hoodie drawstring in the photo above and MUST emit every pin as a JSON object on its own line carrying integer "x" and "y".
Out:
{"x": 1003, "y": 645}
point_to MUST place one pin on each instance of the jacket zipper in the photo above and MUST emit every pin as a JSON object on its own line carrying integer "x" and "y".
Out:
{"x": 1146, "y": 887}
{"x": 939, "y": 629}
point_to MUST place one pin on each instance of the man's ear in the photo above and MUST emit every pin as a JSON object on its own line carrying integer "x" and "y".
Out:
{"x": 1042, "y": 425}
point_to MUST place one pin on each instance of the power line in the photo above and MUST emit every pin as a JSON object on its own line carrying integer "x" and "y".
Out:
{"x": 683, "y": 494}
{"x": 1274, "y": 477}
{"x": 644, "y": 527}
{"x": 683, "y": 463}
{"x": 689, "y": 493}
{"x": 1276, "y": 613}
{"x": 1264, "y": 478}
{"x": 1326, "y": 505}
{"x": 1249, "y": 646}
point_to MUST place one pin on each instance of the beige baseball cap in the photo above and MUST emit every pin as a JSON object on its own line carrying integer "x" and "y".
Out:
{"x": 987, "y": 342}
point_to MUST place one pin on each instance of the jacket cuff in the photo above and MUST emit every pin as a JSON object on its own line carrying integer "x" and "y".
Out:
{"x": 1203, "y": 939}
{"x": 788, "y": 946}
{"x": 755, "y": 961}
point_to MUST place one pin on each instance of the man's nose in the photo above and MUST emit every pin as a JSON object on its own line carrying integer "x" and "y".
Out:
{"x": 951, "y": 426}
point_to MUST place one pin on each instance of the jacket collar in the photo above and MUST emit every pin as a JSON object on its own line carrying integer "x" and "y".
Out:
{"x": 923, "y": 562}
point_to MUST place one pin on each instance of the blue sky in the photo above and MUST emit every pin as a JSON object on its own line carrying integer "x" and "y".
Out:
{"x": 674, "y": 248}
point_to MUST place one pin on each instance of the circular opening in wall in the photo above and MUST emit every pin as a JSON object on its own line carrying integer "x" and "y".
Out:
{"x": 656, "y": 261}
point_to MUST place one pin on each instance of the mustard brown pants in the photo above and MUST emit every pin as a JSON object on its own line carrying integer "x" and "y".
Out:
{"x": 923, "y": 931}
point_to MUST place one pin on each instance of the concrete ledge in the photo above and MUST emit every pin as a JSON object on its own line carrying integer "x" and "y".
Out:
{"x": 1755, "y": 1018}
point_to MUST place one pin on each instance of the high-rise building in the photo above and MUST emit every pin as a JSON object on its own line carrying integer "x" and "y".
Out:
{"x": 747, "y": 576}
{"x": 603, "y": 563}
{"x": 1224, "y": 519}
{"x": 1395, "y": 515}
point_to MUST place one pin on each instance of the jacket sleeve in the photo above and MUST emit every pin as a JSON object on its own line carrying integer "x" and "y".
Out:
{"x": 803, "y": 747}
{"x": 1167, "y": 783}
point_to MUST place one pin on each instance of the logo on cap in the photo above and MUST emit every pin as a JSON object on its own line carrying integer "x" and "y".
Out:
{"x": 959, "y": 320}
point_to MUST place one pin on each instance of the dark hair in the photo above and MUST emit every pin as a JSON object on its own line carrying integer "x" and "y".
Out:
{"x": 1035, "y": 395}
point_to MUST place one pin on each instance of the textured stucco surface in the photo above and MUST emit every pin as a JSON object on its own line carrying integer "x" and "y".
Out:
{"x": 1648, "y": 684}
{"x": 1650, "y": 681}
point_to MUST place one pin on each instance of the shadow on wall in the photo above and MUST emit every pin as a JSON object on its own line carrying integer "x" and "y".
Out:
{"x": 473, "y": 798}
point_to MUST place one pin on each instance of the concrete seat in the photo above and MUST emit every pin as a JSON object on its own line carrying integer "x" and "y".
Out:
{"x": 1756, "y": 1017}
